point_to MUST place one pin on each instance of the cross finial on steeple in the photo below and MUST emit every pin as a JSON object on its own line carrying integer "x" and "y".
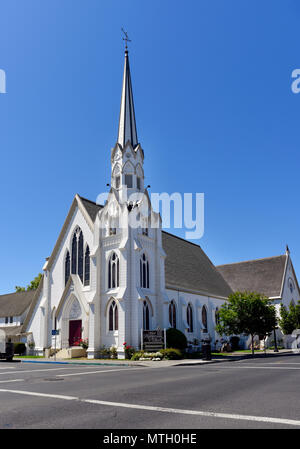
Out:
{"x": 287, "y": 250}
{"x": 126, "y": 38}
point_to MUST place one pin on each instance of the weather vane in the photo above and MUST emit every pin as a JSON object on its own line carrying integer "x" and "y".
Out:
{"x": 126, "y": 38}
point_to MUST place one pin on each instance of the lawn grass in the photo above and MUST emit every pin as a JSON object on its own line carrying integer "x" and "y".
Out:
{"x": 29, "y": 357}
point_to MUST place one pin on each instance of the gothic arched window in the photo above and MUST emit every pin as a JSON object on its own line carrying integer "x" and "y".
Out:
{"x": 74, "y": 254}
{"x": 217, "y": 316}
{"x": 204, "y": 319}
{"x": 87, "y": 266}
{"x": 189, "y": 318}
{"x": 67, "y": 267}
{"x": 80, "y": 257}
{"x": 146, "y": 316}
{"x": 144, "y": 272}
{"x": 113, "y": 317}
{"x": 172, "y": 314}
{"x": 113, "y": 271}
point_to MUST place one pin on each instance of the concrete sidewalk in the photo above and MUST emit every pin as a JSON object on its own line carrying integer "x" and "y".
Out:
{"x": 125, "y": 363}
{"x": 229, "y": 357}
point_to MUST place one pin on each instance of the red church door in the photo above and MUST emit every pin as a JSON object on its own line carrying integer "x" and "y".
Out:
{"x": 74, "y": 332}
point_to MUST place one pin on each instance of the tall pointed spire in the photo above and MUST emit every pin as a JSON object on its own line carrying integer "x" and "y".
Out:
{"x": 127, "y": 125}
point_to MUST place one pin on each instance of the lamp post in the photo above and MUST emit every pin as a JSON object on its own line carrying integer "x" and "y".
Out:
{"x": 275, "y": 341}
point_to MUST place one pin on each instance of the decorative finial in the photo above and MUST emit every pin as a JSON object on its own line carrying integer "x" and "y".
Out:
{"x": 126, "y": 39}
{"x": 287, "y": 250}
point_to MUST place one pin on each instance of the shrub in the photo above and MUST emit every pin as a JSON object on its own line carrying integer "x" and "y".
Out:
{"x": 84, "y": 343}
{"x": 176, "y": 339}
{"x": 19, "y": 348}
{"x": 137, "y": 355}
{"x": 171, "y": 354}
{"x": 234, "y": 342}
{"x": 113, "y": 352}
{"x": 129, "y": 351}
{"x": 104, "y": 352}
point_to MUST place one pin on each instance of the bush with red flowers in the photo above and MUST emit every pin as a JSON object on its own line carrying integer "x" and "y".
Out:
{"x": 129, "y": 350}
{"x": 84, "y": 343}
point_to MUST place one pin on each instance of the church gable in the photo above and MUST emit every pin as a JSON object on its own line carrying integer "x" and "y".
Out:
{"x": 262, "y": 275}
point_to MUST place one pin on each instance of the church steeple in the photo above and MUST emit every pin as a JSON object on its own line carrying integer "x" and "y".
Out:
{"x": 127, "y": 125}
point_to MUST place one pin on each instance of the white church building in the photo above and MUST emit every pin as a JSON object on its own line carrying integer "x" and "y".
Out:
{"x": 106, "y": 280}
{"x": 114, "y": 271}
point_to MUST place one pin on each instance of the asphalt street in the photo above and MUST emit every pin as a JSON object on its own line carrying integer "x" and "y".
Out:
{"x": 260, "y": 393}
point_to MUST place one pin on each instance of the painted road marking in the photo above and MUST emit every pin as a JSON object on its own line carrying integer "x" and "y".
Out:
{"x": 99, "y": 371}
{"x": 258, "y": 367}
{"x": 39, "y": 370}
{"x": 11, "y": 380}
{"x": 266, "y": 419}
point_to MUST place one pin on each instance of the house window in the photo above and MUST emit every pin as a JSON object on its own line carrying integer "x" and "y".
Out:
{"x": 112, "y": 231}
{"x": 144, "y": 272}
{"x": 146, "y": 316}
{"x": 117, "y": 182}
{"x": 67, "y": 267}
{"x": 128, "y": 181}
{"x": 204, "y": 319}
{"x": 172, "y": 314}
{"x": 291, "y": 285}
{"x": 6, "y": 320}
{"x": 11, "y": 319}
{"x": 87, "y": 266}
{"x": 189, "y": 317}
{"x": 138, "y": 183}
{"x": 113, "y": 317}
{"x": 113, "y": 271}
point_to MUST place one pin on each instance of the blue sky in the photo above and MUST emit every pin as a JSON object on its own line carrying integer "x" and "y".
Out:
{"x": 214, "y": 107}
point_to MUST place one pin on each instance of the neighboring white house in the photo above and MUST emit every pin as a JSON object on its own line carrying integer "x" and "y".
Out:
{"x": 273, "y": 277}
{"x": 14, "y": 308}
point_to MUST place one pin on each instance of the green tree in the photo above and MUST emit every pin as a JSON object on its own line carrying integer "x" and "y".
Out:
{"x": 247, "y": 313}
{"x": 289, "y": 319}
{"x": 32, "y": 286}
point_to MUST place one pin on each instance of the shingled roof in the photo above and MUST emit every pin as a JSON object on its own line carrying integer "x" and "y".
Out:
{"x": 261, "y": 275}
{"x": 15, "y": 304}
{"x": 187, "y": 266}
{"x": 91, "y": 207}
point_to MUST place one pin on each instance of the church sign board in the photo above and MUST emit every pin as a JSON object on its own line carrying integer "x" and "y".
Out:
{"x": 153, "y": 340}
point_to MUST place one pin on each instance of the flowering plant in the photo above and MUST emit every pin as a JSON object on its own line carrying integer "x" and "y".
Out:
{"x": 84, "y": 343}
{"x": 129, "y": 350}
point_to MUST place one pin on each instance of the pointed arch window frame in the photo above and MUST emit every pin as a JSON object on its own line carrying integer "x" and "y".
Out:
{"x": 189, "y": 318}
{"x": 173, "y": 314}
{"x": 113, "y": 316}
{"x": 204, "y": 319}
{"x": 144, "y": 272}
{"x": 113, "y": 271}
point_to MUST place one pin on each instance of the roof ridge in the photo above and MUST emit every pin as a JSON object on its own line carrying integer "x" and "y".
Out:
{"x": 90, "y": 201}
{"x": 251, "y": 260}
{"x": 16, "y": 293}
{"x": 181, "y": 238}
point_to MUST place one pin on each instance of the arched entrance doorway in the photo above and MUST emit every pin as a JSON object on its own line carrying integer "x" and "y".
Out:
{"x": 75, "y": 331}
